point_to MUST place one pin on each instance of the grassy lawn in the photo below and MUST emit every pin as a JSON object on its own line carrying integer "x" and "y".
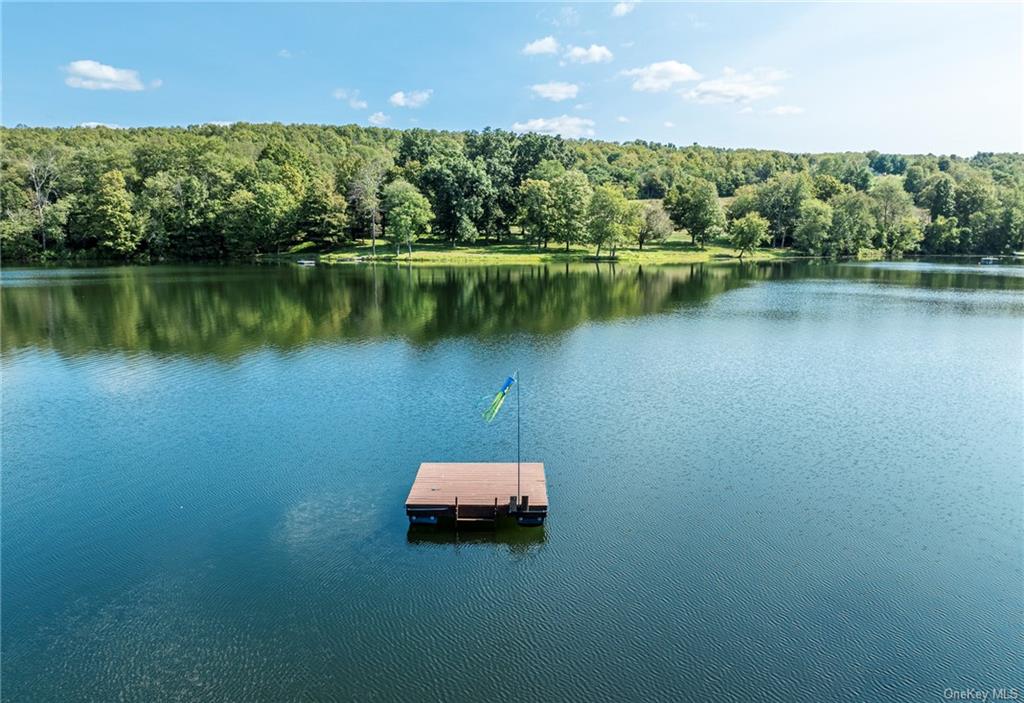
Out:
{"x": 675, "y": 250}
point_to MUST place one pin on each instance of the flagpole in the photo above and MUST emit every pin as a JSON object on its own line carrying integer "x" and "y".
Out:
{"x": 519, "y": 492}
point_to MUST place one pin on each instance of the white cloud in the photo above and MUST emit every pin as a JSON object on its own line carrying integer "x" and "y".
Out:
{"x": 547, "y": 45}
{"x": 100, "y": 124}
{"x": 661, "y": 76}
{"x": 378, "y": 119}
{"x": 556, "y": 90}
{"x": 284, "y": 54}
{"x": 622, "y": 9}
{"x": 595, "y": 53}
{"x": 414, "y": 98}
{"x": 733, "y": 87}
{"x": 786, "y": 110}
{"x": 622, "y": 119}
{"x": 93, "y": 75}
{"x": 668, "y": 124}
{"x": 156, "y": 83}
{"x": 582, "y": 106}
{"x": 745, "y": 110}
{"x": 568, "y": 127}
{"x": 351, "y": 97}
{"x": 221, "y": 123}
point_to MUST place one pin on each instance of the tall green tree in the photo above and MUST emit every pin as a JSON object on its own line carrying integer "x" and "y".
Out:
{"x": 364, "y": 194}
{"x": 654, "y": 224}
{"x": 570, "y": 201}
{"x": 42, "y": 172}
{"x": 973, "y": 194}
{"x": 892, "y": 207}
{"x": 458, "y": 189}
{"x": 915, "y": 179}
{"x": 747, "y": 232}
{"x": 942, "y": 196}
{"x": 827, "y": 186}
{"x": 941, "y": 236}
{"x": 179, "y": 217}
{"x": 744, "y": 201}
{"x": 112, "y": 221}
{"x": 495, "y": 150}
{"x": 536, "y": 215}
{"x": 323, "y": 212}
{"x": 813, "y": 228}
{"x": 407, "y": 212}
{"x": 853, "y": 224}
{"x": 904, "y": 237}
{"x": 611, "y": 219}
{"x": 693, "y": 205}
{"x": 779, "y": 200}
{"x": 259, "y": 220}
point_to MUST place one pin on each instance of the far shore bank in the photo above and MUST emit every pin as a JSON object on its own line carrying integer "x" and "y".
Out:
{"x": 514, "y": 252}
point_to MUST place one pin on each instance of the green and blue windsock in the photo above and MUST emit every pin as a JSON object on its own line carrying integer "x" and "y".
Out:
{"x": 499, "y": 399}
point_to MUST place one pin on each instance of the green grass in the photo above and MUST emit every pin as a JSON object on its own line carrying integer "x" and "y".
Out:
{"x": 676, "y": 250}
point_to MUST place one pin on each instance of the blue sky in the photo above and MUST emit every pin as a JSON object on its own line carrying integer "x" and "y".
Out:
{"x": 941, "y": 78}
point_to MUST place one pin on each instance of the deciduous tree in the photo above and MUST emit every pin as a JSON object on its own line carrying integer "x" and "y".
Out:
{"x": 654, "y": 223}
{"x": 112, "y": 222}
{"x": 747, "y": 232}
{"x": 693, "y": 206}
{"x": 570, "y": 200}
{"x": 407, "y": 212}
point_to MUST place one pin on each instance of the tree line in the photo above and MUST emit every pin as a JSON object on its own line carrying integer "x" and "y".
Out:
{"x": 215, "y": 192}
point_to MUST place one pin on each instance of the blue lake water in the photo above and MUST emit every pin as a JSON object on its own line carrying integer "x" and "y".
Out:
{"x": 782, "y": 482}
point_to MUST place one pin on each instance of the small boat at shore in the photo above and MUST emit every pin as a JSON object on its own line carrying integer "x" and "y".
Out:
{"x": 990, "y": 259}
{"x": 306, "y": 262}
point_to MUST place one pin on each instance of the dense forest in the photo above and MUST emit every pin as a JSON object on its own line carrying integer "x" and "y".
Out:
{"x": 214, "y": 192}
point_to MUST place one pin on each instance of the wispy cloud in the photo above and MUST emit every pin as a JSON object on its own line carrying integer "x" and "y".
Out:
{"x": 351, "y": 97}
{"x": 668, "y": 124}
{"x": 100, "y": 124}
{"x": 566, "y": 17}
{"x": 566, "y": 126}
{"x": 621, "y": 119}
{"x": 284, "y": 54}
{"x": 734, "y": 87}
{"x": 378, "y": 119}
{"x": 595, "y": 53}
{"x": 93, "y": 75}
{"x": 622, "y": 9}
{"x": 786, "y": 110}
{"x": 414, "y": 98}
{"x": 556, "y": 90}
{"x": 661, "y": 76}
{"x": 546, "y": 45}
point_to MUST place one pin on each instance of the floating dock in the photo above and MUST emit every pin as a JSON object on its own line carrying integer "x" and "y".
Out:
{"x": 478, "y": 494}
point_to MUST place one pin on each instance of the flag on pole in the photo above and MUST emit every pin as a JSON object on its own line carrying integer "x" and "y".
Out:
{"x": 499, "y": 399}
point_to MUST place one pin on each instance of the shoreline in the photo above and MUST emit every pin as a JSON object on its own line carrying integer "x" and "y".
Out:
{"x": 435, "y": 253}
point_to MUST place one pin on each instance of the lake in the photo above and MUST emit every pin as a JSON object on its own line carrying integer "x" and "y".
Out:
{"x": 790, "y": 481}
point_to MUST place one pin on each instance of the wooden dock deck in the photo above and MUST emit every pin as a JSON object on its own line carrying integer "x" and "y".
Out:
{"x": 477, "y": 493}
